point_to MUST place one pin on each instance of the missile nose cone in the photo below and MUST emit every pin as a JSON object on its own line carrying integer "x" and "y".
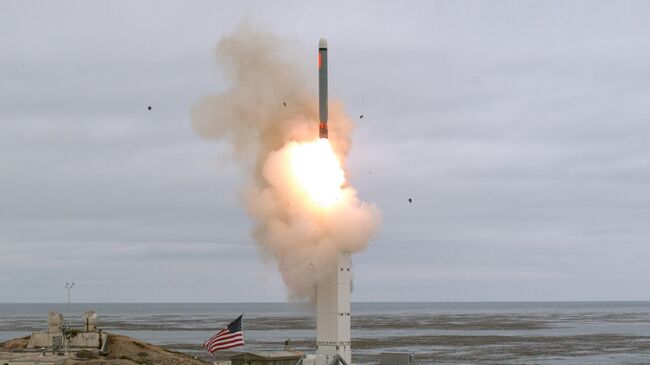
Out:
{"x": 322, "y": 43}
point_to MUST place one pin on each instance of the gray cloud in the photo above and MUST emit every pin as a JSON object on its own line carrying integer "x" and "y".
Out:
{"x": 520, "y": 129}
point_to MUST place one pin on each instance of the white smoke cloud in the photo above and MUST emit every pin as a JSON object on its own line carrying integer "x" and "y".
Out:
{"x": 266, "y": 136}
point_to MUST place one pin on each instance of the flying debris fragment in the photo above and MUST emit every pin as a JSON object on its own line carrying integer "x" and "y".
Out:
{"x": 361, "y": 116}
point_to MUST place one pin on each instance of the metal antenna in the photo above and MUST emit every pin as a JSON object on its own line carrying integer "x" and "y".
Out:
{"x": 69, "y": 285}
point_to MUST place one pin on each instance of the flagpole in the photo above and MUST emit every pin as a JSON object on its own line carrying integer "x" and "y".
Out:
{"x": 243, "y": 336}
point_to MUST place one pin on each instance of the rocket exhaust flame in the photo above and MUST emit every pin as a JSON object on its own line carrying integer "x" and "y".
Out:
{"x": 304, "y": 211}
{"x": 317, "y": 172}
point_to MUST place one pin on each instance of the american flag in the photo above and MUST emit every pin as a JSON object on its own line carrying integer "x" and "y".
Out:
{"x": 230, "y": 336}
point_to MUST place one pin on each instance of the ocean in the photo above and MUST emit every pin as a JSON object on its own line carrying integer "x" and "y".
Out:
{"x": 562, "y": 333}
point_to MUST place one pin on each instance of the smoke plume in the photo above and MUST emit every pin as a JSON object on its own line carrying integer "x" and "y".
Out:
{"x": 269, "y": 115}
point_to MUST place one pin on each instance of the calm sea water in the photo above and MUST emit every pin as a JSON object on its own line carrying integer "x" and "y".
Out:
{"x": 441, "y": 333}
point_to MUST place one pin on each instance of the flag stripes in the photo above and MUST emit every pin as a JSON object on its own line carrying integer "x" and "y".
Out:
{"x": 230, "y": 336}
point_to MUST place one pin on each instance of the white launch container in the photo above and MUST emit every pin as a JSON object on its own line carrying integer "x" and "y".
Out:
{"x": 333, "y": 313}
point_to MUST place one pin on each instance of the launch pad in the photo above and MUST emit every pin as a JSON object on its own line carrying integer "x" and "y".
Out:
{"x": 333, "y": 292}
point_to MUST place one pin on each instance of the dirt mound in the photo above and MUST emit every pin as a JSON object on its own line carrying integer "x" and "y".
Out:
{"x": 122, "y": 350}
{"x": 122, "y": 347}
{"x": 15, "y": 344}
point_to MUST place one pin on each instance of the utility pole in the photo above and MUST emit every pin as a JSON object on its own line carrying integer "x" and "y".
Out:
{"x": 69, "y": 285}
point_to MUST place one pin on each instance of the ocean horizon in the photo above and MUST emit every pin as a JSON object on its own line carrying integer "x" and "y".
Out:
{"x": 564, "y": 333}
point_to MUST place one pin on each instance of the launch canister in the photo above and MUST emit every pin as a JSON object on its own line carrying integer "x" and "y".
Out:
{"x": 322, "y": 87}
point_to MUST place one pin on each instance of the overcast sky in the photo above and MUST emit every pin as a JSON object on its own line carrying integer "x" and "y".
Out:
{"x": 521, "y": 130}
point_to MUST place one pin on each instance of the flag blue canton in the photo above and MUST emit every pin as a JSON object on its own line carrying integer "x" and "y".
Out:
{"x": 235, "y": 326}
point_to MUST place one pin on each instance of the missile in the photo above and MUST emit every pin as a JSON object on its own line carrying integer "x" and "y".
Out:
{"x": 322, "y": 87}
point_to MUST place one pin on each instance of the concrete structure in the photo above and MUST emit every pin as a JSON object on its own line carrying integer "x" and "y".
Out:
{"x": 60, "y": 338}
{"x": 267, "y": 358}
{"x": 90, "y": 321}
{"x": 54, "y": 322}
{"x": 333, "y": 313}
{"x": 33, "y": 358}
